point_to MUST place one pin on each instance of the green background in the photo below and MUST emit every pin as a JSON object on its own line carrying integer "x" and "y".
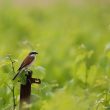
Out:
{"x": 73, "y": 41}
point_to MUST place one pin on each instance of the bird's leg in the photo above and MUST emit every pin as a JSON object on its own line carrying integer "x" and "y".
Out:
{"x": 29, "y": 70}
{"x": 26, "y": 71}
{"x": 29, "y": 81}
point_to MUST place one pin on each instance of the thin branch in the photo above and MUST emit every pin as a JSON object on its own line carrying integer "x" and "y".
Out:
{"x": 14, "y": 103}
{"x": 13, "y": 88}
{"x": 9, "y": 87}
{"x": 12, "y": 64}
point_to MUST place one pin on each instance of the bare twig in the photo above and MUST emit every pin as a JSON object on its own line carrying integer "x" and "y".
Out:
{"x": 9, "y": 87}
{"x": 14, "y": 103}
{"x": 12, "y": 89}
{"x": 12, "y": 64}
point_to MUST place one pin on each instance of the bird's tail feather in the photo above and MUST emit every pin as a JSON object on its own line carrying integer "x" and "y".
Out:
{"x": 16, "y": 75}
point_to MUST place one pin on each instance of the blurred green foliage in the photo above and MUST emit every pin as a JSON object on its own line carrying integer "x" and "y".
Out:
{"x": 73, "y": 43}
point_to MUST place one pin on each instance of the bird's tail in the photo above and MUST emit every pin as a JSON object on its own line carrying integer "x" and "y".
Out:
{"x": 16, "y": 75}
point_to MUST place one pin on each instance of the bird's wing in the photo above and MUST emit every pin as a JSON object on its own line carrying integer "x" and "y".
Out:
{"x": 28, "y": 60}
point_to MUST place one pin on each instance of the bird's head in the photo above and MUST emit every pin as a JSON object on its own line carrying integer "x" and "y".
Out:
{"x": 33, "y": 53}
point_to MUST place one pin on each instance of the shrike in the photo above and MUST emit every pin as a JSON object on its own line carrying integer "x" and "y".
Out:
{"x": 26, "y": 63}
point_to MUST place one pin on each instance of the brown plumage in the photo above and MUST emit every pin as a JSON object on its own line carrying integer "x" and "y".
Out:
{"x": 26, "y": 62}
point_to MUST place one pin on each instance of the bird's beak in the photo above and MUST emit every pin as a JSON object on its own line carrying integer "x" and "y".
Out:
{"x": 36, "y": 53}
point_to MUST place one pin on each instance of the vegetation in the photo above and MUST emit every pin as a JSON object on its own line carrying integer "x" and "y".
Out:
{"x": 73, "y": 43}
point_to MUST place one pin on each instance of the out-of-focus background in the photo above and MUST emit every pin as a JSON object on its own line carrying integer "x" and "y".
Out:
{"x": 72, "y": 38}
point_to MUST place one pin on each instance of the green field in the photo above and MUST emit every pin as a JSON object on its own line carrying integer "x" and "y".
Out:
{"x": 73, "y": 42}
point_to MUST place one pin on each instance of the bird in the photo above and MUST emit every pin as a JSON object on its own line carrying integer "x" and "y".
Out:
{"x": 26, "y": 63}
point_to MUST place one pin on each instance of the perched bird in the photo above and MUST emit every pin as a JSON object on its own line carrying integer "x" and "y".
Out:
{"x": 26, "y": 63}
